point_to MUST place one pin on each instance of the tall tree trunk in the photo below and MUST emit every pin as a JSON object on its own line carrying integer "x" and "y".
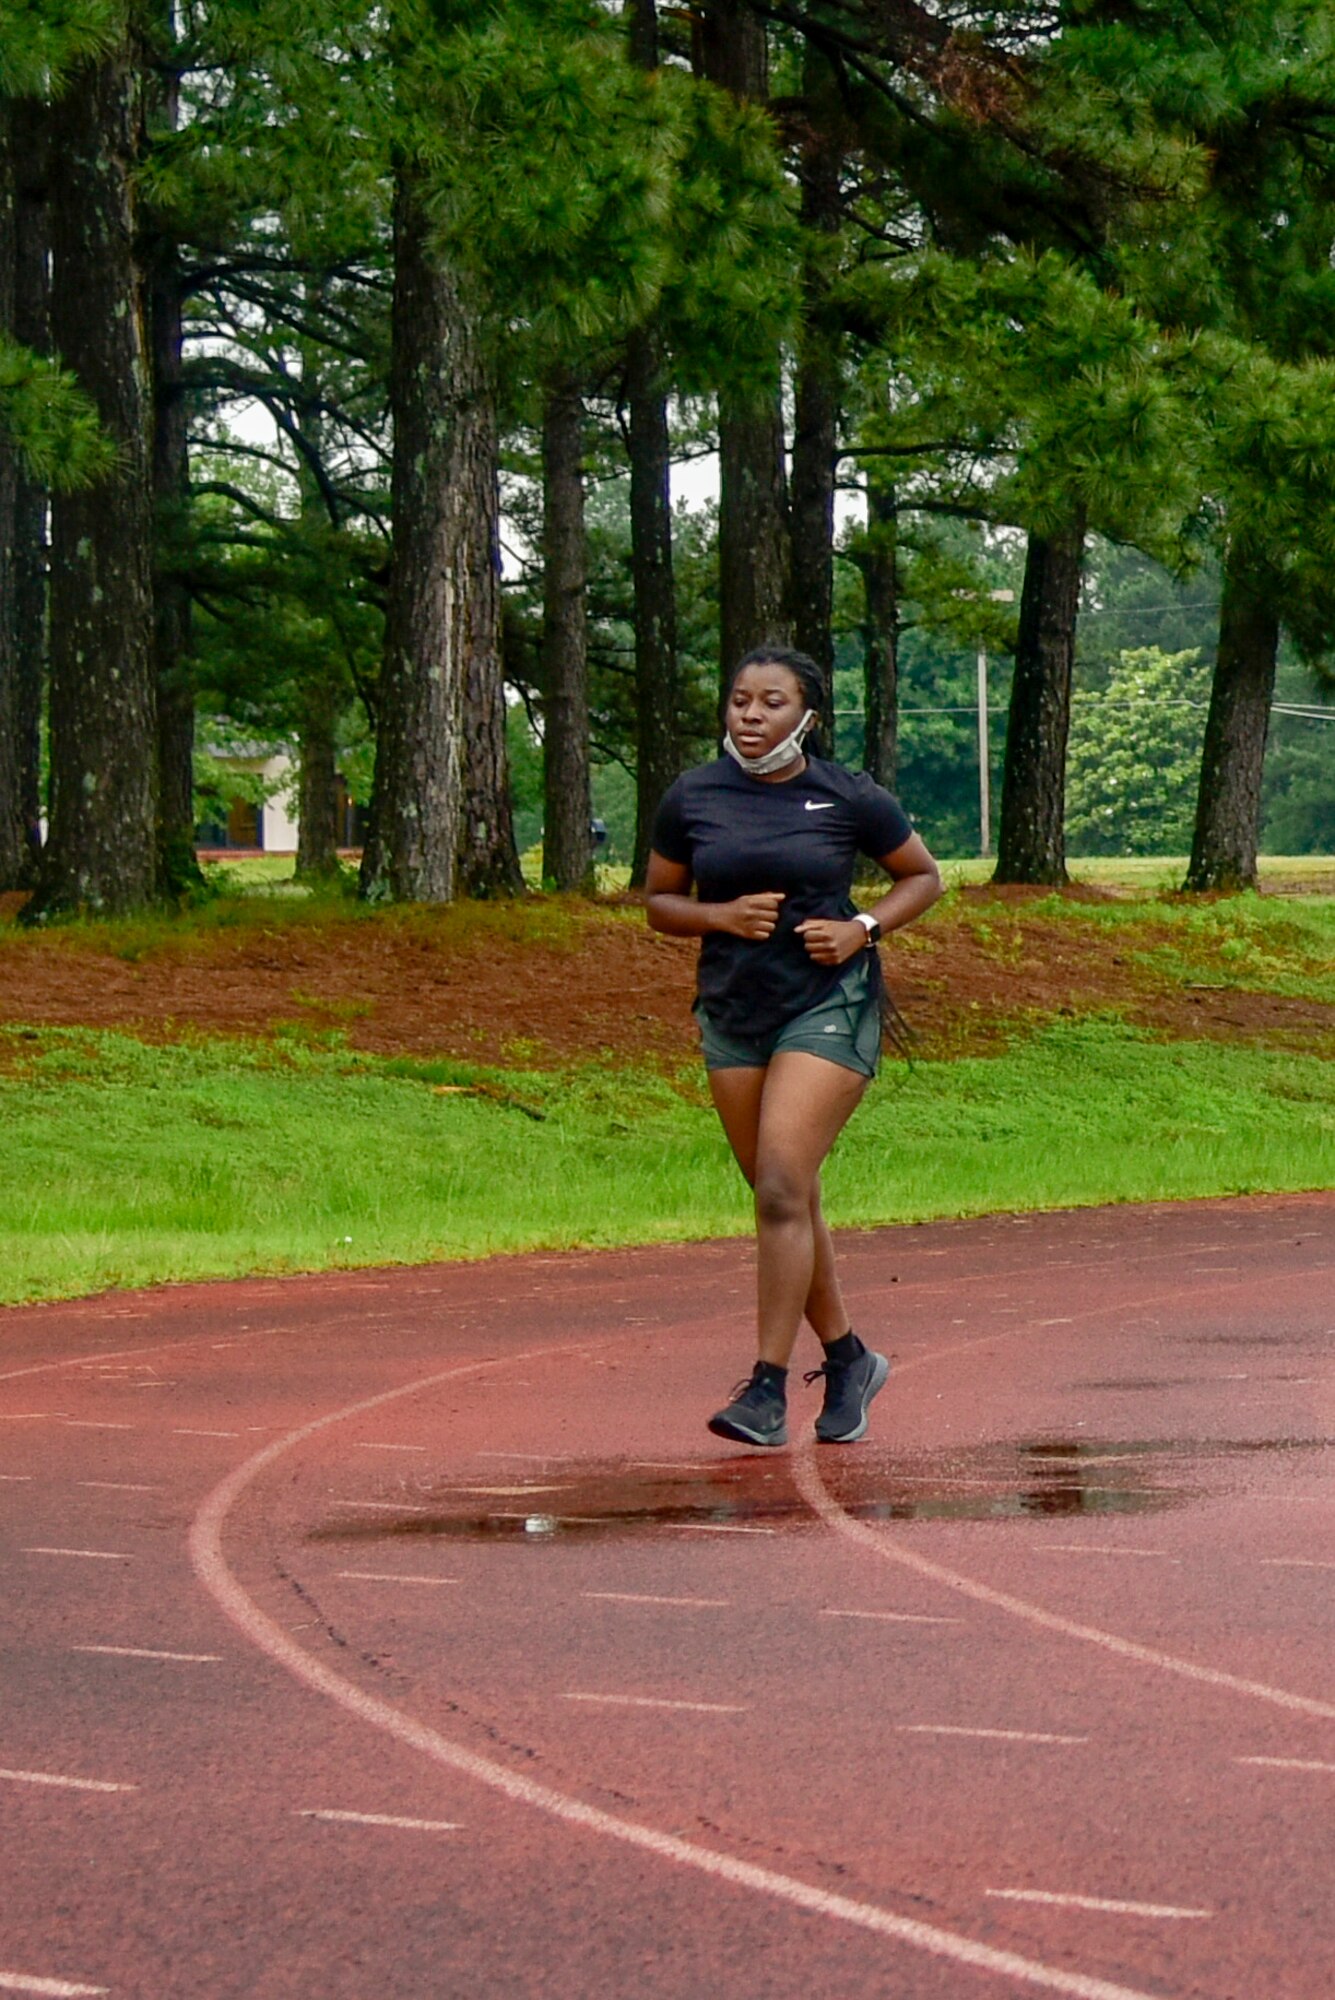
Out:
{"x": 657, "y": 676}
{"x": 878, "y": 561}
{"x": 13, "y": 846}
{"x": 1228, "y": 804}
{"x": 567, "y": 845}
{"x": 171, "y": 487}
{"x": 320, "y": 699}
{"x": 488, "y": 860}
{"x": 444, "y": 452}
{"x": 171, "y": 595}
{"x": 30, "y": 121}
{"x": 321, "y": 684}
{"x": 1031, "y": 842}
{"x": 102, "y": 849}
{"x": 817, "y": 388}
{"x": 753, "y": 528}
{"x": 754, "y": 551}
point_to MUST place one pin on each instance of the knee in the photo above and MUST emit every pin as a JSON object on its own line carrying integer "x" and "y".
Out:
{"x": 781, "y": 1195}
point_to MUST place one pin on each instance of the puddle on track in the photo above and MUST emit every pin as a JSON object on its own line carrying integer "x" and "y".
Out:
{"x": 1041, "y": 1479}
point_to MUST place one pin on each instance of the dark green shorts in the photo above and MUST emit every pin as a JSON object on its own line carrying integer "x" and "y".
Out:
{"x": 845, "y": 1028}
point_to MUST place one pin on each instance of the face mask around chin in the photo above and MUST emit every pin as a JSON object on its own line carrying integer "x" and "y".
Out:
{"x": 781, "y": 755}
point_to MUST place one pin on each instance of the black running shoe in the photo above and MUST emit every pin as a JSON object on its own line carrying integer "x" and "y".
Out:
{"x": 757, "y": 1414}
{"x": 849, "y": 1388}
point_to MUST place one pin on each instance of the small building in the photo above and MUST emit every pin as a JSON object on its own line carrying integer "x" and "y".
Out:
{"x": 270, "y": 827}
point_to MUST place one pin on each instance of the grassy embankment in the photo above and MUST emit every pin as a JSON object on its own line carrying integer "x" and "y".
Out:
{"x": 130, "y": 1164}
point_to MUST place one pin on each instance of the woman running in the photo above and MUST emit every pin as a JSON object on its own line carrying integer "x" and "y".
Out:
{"x": 789, "y": 1001}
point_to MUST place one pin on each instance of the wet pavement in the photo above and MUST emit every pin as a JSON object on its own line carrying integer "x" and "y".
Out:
{"x": 406, "y": 1633}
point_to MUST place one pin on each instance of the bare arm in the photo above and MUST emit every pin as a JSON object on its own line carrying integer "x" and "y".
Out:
{"x": 916, "y": 886}
{"x": 672, "y": 909}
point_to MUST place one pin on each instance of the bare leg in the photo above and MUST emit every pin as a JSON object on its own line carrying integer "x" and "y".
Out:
{"x": 805, "y": 1104}
{"x": 738, "y": 1094}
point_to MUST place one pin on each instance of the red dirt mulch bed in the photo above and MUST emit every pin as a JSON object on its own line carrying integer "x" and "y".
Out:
{"x": 560, "y": 980}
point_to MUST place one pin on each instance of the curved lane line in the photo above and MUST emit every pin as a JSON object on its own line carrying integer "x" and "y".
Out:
{"x": 813, "y": 1490}
{"x": 210, "y": 1566}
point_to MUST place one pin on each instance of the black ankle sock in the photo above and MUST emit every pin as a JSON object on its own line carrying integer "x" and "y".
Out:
{"x": 847, "y": 1348}
{"x": 773, "y": 1376}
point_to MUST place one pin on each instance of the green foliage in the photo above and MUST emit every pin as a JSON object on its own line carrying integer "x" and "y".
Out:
{"x": 50, "y": 421}
{"x": 1134, "y": 756}
{"x": 586, "y": 195}
{"x": 42, "y": 40}
{"x": 1060, "y": 393}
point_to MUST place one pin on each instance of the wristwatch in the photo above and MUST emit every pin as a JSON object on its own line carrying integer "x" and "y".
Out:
{"x": 872, "y": 927}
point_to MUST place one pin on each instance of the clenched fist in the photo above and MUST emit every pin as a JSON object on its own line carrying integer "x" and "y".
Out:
{"x": 754, "y": 916}
{"x": 832, "y": 940}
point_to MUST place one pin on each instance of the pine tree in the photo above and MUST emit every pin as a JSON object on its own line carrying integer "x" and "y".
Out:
{"x": 817, "y": 383}
{"x": 443, "y": 408}
{"x": 567, "y": 848}
{"x": 101, "y": 853}
{"x": 1253, "y": 88}
{"x": 755, "y": 562}
{"x": 648, "y": 449}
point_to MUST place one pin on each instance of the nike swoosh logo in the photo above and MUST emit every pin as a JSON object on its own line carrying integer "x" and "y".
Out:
{"x": 812, "y": 806}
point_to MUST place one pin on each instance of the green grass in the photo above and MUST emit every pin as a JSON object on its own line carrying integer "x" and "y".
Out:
{"x": 264, "y": 874}
{"x": 130, "y": 1165}
{"x": 1154, "y": 872}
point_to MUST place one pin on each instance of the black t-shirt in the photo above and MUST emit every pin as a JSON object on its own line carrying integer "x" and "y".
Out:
{"x": 741, "y": 836}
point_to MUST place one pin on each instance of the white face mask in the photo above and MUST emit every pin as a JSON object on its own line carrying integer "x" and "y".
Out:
{"x": 779, "y": 757}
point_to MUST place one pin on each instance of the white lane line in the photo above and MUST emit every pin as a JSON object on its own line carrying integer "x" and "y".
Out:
{"x": 1117, "y": 1906}
{"x": 1047, "y": 1322}
{"x": 1065, "y": 1458}
{"x": 998, "y": 1735}
{"x": 15, "y": 1478}
{"x": 92, "y": 1555}
{"x": 381, "y": 1819}
{"x": 1101, "y": 1549}
{"x": 719, "y": 1528}
{"x": 656, "y": 1701}
{"x": 67, "y": 1784}
{"x": 524, "y": 1457}
{"x": 29, "y": 1416}
{"x": 387, "y": 1576}
{"x": 146, "y": 1653}
{"x": 808, "y": 1483}
{"x": 60, "y": 1989}
{"x": 644, "y": 1597}
{"x": 1287, "y": 1763}
{"x": 118, "y": 1485}
{"x": 86, "y": 1424}
{"x": 364, "y": 1445}
{"x": 1294, "y": 1562}
{"x": 507, "y": 1492}
{"x": 211, "y": 1568}
{"x": 182, "y": 1431}
{"x": 894, "y": 1617}
{"x": 383, "y": 1506}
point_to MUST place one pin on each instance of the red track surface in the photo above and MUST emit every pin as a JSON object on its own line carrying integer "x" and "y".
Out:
{"x": 451, "y": 1546}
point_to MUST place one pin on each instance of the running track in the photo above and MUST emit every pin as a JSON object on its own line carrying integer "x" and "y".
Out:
{"x": 403, "y": 1634}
